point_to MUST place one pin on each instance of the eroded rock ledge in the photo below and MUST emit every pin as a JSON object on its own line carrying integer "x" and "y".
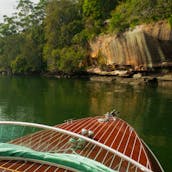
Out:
{"x": 144, "y": 48}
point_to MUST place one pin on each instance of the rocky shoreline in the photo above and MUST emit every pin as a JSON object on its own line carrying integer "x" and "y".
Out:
{"x": 116, "y": 77}
{"x": 136, "y": 80}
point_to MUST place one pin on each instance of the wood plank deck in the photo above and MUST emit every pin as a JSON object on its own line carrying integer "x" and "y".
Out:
{"x": 114, "y": 133}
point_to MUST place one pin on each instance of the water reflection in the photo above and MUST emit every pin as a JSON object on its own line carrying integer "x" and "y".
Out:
{"x": 51, "y": 101}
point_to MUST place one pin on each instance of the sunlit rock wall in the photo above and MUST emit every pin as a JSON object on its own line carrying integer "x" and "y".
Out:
{"x": 144, "y": 47}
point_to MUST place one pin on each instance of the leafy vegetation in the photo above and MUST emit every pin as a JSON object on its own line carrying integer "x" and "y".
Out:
{"x": 62, "y": 24}
{"x": 53, "y": 36}
{"x": 22, "y": 39}
{"x": 130, "y": 13}
{"x": 170, "y": 21}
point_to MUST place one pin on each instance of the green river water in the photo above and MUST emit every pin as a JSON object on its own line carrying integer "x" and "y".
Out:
{"x": 51, "y": 101}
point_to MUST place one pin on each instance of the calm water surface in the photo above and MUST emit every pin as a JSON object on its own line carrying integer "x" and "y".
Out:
{"x": 51, "y": 101}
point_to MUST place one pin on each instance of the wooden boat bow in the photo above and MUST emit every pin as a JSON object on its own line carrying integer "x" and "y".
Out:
{"x": 114, "y": 143}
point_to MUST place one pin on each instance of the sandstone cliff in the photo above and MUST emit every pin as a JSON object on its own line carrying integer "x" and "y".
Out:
{"x": 143, "y": 48}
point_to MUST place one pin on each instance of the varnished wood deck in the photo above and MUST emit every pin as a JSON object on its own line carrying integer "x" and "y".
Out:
{"x": 114, "y": 133}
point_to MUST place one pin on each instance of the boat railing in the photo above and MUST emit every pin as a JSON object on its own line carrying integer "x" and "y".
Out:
{"x": 50, "y": 139}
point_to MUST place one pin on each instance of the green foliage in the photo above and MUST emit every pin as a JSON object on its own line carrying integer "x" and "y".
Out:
{"x": 22, "y": 38}
{"x": 62, "y": 22}
{"x": 30, "y": 14}
{"x": 9, "y": 26}
{"x": 81, "y": 38}
{"x": 62, "y": 25}
{"x": 118, "y": 23}
{"x": 95, "y": 12}
{"x": 10, "y": 47}
{"x": 98, "y": 9}
{"x": 170, "y": 21}
{"x": 92, "y": 8}
{"x": 71, "y": 59}
{"x": 53, "y": 35}
{"x": 18, "y": 65}
{"x": 132, "y": 12}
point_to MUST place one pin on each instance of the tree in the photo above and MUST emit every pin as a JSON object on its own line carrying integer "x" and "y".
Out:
{"x": 133, "y": 12}
{"x": 10, "y": 48}
{"x": 22, "y": 38}
{"x": 63, "y": 21}
{"x": 8, "y": 27}
{"x": 30, "y": 14}
{"x": 71, "y": 59}
{"x": 95, "y": 12}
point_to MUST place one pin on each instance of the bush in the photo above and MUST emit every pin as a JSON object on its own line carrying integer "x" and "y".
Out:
{"x": 170, "y": 21}
{"x": 71, "y": 59}
{"x": 19, "y": 65}
{"x": 133, "y": 12}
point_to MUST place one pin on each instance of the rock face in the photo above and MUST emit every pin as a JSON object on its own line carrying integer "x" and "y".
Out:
{"x": 145, "y": 47}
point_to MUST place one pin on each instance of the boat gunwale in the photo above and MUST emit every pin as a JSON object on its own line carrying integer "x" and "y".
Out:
{"x": 70, "y": 133}
{"x": 154, "y": 156}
